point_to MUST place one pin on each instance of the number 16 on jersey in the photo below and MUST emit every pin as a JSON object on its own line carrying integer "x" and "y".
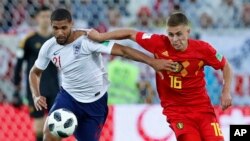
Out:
{"x": 175, "y": 82}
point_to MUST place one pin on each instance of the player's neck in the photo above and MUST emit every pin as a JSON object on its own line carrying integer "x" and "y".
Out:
{"x": 44, "y": 32}
{"x": 185, "y": 47}
{"x": 74, "y": 35}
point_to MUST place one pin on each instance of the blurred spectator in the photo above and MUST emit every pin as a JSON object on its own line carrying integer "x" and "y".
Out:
{"x": 161, "y": 7}
{"x": 54, "y": 4}
{"x": 114, "y": 18}
{"x": 120, "y": 4}
{"x": 206, "y": 20}
{"x": 123, "y": 76}
{"x": 90, "y": 11}
{"x": 146, "y": 91}
{"x": 246, "y": 15}
{"x": 232, "y": 10}
{"x": 197, "y": 10}
{"x": 2, "y": 22}
{"x": 144, "y": 19}
{"x": 159, "y": 20}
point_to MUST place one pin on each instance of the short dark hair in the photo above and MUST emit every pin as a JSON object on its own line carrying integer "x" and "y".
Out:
{"x": 39, "y": 9}
{"x": 60, "y": 14}
{"x": 176, "y": 19}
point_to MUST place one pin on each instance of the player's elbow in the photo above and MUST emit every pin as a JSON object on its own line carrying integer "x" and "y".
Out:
{"x": 125, "y": 52}
{"x": 34, "y": 71}
{"x": 132, "y": 35}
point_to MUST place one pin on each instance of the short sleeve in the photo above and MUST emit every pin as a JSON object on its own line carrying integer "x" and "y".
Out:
{"x": 148, "y": 41}
{"x": 42, "y": 60}
{"x": 213, "y": 58}
{"x": 104, "y": 47}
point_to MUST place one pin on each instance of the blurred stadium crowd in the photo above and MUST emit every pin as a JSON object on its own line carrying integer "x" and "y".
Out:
{"x": 147, "y": 14}
{"x": 134, "y": 80}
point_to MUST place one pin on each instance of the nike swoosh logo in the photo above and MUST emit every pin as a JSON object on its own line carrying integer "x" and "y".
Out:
{"x": 57, "y": 52}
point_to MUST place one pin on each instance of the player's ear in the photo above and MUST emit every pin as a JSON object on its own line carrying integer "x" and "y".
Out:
{"x": 188, "y": 30}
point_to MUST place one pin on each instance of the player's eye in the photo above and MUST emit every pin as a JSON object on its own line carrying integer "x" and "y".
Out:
{"x": 64, "y": 27}
{"x": 55, "y": 28}
{"x": 171, "y": 34}
{"x": 179, "y": 34}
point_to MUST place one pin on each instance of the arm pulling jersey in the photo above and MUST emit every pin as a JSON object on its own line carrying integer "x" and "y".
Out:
{"x": 187, "y": 87}
{"x": 83, "y": 73}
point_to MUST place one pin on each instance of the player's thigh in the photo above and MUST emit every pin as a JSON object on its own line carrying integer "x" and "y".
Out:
{"x": 50, "y": 100}
{"x": 63, "y": 100}
{"x": 209, "y": 128}
{"x": 89, "y": 128}
{"x": 91, "y": 122}
{"x": 184, "y": 128}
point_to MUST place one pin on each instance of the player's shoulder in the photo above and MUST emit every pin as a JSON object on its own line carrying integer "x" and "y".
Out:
{"x": 154, "y": 37}
{"x": 198, "y": 42}
{"x": 29, "y": 36}
{"x": 49, "y": 43}
{"x": 148, "y": 35}
{"x": 80, "y": 32}
{"x": 200, "y": 45}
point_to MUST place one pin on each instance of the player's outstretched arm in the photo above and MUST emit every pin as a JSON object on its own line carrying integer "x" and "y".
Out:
{"x": 226, "y": 99}
{"x": 130, "y": 53}
{"x": 34, "y": 80}
{"x": 113, "y": 35}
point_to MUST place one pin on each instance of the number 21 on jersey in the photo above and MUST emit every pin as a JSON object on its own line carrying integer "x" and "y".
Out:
{"x": 175, "y": 82}
{"x": 57, "y": 61}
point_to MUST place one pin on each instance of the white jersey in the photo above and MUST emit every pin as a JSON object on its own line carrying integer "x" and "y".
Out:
{"x": 80, "y": 62}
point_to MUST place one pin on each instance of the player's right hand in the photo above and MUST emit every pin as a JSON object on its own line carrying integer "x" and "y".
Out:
{"x": 40, "y": 102}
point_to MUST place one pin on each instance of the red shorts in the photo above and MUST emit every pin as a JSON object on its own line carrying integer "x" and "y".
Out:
{"x": 203, "y": 125}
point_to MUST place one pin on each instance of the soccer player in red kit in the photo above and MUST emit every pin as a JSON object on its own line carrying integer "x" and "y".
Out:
{"x": 182, "y": 91}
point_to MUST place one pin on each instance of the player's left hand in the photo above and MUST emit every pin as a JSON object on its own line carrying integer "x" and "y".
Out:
{"x": 40, "y": 102}
{"x": 165, "y": 65}
{"x": 226, "y": 100}
{"x": 94, "y": 35}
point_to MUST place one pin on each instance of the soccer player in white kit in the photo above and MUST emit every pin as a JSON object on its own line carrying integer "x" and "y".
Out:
{"x": 84, "y": 79}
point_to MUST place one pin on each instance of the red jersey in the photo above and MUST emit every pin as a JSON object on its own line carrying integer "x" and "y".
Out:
{"x": 185, "y": 89}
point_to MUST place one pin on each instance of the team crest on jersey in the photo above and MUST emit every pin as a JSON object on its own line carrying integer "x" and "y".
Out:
{"x": 38, "y": 45}
{"x": 180, "y": 125}
{"x": 76, "y": 48}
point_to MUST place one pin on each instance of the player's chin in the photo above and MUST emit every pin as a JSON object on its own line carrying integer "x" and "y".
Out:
{"x": 60, "y": 41}
{"x": 178, "y": 47}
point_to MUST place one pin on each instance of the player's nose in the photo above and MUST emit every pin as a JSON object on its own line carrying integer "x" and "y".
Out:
{"x": 59, "y": 33}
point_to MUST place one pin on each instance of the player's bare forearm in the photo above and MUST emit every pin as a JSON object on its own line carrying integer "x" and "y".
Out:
{"x": 133, "y": 54}
{"x": 34, "y": 79}
{"x": 113, "y": 35}
{"x": 226, "y": 99}
{"x": 227, "y": 76}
